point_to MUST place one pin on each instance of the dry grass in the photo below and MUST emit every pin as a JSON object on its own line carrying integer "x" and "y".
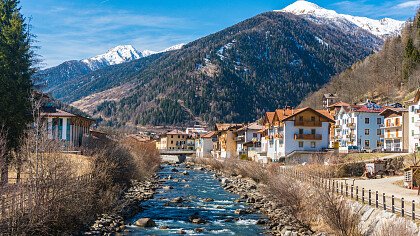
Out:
{"x": 393, "y": 227}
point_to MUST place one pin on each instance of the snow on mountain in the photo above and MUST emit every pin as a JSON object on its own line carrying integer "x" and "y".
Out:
{"x": 175, "y": 47}
{"x": 382, "y": 28}
{"x": 116, "y": 55}
{"x": 121, "y": 54}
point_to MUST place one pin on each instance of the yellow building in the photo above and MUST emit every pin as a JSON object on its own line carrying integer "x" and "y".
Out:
{"x": 174, "y": 140}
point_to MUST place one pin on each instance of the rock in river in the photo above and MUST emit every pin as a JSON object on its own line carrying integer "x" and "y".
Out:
{"x": 177, "y": 200}
{"x": 145, "y": 222}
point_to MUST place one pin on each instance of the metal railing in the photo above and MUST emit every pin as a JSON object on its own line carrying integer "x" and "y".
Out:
{"x": 371, "y": 197}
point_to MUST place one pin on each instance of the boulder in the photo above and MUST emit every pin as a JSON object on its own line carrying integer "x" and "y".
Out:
{"x": 240, "y": 211}
{"x": 177, "y": 200}
{"x": 198, "y": 221}
{"x": 181, "y": 231}
{"x": 175, "y": 170}
{"x": 185, "y": 173}
{"x": 208, "y": 200}
{"x": 167, "y": 187}
{"x": 164, "y": 227}
{"x": 199, "y": 230}
{"x": 225, "y": 181}
{"x": 145, "y": 222}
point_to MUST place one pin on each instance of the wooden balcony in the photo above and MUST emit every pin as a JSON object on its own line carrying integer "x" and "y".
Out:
{"x": 308, "y": 137}
{"x": 308, "y": 123}
{"x": 351, "y": 125}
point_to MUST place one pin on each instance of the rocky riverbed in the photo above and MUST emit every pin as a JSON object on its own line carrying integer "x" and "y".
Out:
{"x": 127, "y": 207}
{"x": 280, "y": 221}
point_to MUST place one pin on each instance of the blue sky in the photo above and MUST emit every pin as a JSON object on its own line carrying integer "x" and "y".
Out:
{"x": 77, "y": 29}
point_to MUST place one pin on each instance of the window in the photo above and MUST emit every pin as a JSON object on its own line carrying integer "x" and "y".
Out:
{"x": 412, "y": 132}
{"x": 366, "y": 120}
{"x": 412, "y": 119}
{"x": 313, "y": 131}
{"x": 300, "y": 118}
{"x": 172, "y": 141}
{"x": 312, "y": 118}
{"x": 254, "y": 135}
{"x": 378, "y": 132}
{"x": 313, "y": 144}
{"x": 178, "y": 136}
{"x": 367, "y": 131}
{"x": 378, "y": 143}
{"x": 397, "y": 133}
{"x": 378, "y": 121}
{"x": 300, "y": 131}
{"x": 367, "y": 143}
{"x": 172, "y": 136}
{"x": 300, "y": 144}
{"x": 412, "y": 108}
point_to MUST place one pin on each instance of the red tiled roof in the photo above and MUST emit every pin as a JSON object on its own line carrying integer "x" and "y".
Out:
{"x": 368, "y": 110}
{"x": 209, "y": 134}
{"x": 339, "y": 104}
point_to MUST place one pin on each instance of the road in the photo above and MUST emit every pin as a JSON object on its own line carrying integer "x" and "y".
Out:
{"x": 386, "y": 185}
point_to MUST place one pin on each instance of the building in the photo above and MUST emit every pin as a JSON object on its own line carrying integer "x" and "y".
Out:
{"x": 64, "y": 126}
{"x": 295, "y": 131}
{"x": 329, "y": 99}
{"x": 414, "y": 122}
{"x": 175, "y": 140}
{"x": 196, "y": 131}
{"x": 396, "y": 129}
{"x": 358, "y": 127}
{"x": 204, "y": 144}
{"x": 248, "y": 141}
{"x": 225, "y": 146}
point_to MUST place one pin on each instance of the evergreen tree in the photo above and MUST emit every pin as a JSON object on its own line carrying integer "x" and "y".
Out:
{"x": 16, "y": 59}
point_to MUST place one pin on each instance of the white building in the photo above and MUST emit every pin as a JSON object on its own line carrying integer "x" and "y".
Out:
{"x": 301, "y": 131}
{"x": 414, "y": 123}
{"x": 358, "y": 127}
{"x": 204, "y": 144}
{"x": 248, "y": 140}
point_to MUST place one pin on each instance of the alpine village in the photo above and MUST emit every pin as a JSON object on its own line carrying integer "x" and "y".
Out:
{"x": 299, "y": 121}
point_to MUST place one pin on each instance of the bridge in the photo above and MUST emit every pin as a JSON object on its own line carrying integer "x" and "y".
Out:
{"x": 175, "y": 155}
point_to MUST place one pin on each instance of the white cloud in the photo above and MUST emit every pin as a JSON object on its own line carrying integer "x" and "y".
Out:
{"x": 409, "y": 4}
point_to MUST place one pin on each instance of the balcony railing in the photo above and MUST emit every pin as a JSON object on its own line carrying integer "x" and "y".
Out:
{"x": 308, "y": 137}
{"x": 351, "y": 125}
{"x": 392, "y": 136}
{"x": 308, "y": 123}
{"x": 392, "y": 125}
{"x": 240, "y": 139}
{"x": 337, "y": 126}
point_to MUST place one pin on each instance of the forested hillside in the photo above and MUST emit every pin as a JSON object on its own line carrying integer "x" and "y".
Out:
{"x": 268, "y": 61}
{"x": 390, "y": 75}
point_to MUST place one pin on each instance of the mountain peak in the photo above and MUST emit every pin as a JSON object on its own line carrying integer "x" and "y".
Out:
{"x": 302, "y": 7}
{"x": 382, "y": 28}
{"x": 115, "y": 55}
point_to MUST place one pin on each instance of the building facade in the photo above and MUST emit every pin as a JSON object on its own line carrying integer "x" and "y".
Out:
{"x": 292, "y": 131}
{"x": 225, "y": 146}
{"x": 248, "y": 141}
{"x": 64, "y": 126}
{"x": 414, "y": 123}
{"x": 175, "y": 140}
{"x": 395, "y": 129}
{"x": 204, "y": 144}
{"x": 359, "y": 127}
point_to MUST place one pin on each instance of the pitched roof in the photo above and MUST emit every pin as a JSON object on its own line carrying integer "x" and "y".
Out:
{"x": 270, "y": 116}
{"x": 389, "y": 111}
{"x": 340, "y": 104}
{"x": 226, "y": 126}
{"x": 175, "y": 131}
{"x": 252, "y": 126}
{"x": 209, "y": 134}
{"x": 323, "y": 113}
{"x": 57, "y": 113}
{"x": 330, "y": 95}
{"x": 284, "y": 113}
{"x": 367, "y": 109}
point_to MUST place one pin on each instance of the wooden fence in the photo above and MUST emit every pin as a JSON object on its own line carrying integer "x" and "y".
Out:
{"x": 18, "y": 199}
{"x": 371, "y": 197}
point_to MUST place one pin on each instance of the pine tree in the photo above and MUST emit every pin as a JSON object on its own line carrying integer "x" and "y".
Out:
{"x": 16, "y": 60}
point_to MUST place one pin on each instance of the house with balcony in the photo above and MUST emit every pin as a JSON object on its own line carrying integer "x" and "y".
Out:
{"x": 175, "y": 140}
{"x": 204, "y": 144}
{"x": 296, "y": 131}
{"x": 414, "y": 122}
{"x": 248, "y": 141}
{"x": 68, "y": 128}
{"x": 225, "y": 145}
{"x": 395, "y": 129}
{"x": 359, "y": 127}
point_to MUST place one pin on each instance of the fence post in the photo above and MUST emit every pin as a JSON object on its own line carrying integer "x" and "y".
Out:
{"x": 392, "y": 204}
{"x": 377, "y": 201}
{"x": 351, "y": 190}
{"x": 402, "y": 207}
{"x": 336, "y": 186}
{"x": 413, "y": 210}
{"x": 370, "y": 197}
{"x": 347, "y": 190}
{"x": 363, "y": 195}
{"x": 384, "y": 201}
{"x": 341, "y": 188}
{"x": 357, "y": 193}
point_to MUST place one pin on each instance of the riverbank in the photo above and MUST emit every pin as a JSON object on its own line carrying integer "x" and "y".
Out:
{"x": 280, "y": 219}
{"x": 127, "y": 207}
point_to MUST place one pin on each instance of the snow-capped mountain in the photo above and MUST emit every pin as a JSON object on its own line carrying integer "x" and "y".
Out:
{"x": 114, "y": 56}
{"x": 382, "y": 28}
{"x": 121, "y": 54}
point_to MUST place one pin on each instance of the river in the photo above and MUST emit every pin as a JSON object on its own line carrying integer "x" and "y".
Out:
{"x": 219, "y": 215}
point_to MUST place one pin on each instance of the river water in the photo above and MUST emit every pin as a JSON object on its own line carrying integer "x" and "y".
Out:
{"x": 218, "y": 214}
